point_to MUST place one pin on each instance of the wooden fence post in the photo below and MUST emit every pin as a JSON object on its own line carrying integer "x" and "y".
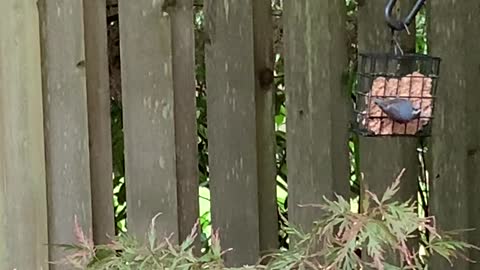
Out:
{"x": 66, "y": 121}
{"x": 453, "y": 201}
{"x": 183, "y": 45}
{"x": 148, "y": 113}
{"x": 23, "y": 199}
{"x": 98, "y": 99}
{"x": 382, "y": 159}
{"x": 317, "y": 123}
{"x": 265, "y": 115}
{"x": 473, "y": 115}
{"x": 231, "y": 131}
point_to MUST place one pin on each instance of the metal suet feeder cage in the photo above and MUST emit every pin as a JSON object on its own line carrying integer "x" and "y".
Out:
{"x": 394, "y": 76}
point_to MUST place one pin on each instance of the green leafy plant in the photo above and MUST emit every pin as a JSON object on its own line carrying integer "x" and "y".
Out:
{"x": 381, "y": 233}
{"x": 340, "y": 239}
{"x": 126, "y": 252}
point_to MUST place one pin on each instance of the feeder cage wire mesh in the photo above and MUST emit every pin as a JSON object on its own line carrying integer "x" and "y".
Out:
{"x": 395, "y": 75}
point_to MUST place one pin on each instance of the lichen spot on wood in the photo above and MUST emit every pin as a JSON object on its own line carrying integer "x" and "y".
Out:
{"x": 157, "y": 105}
{"x": 147, "y": 102}
{"x": 166, "y": 69}
{"x": 166, "y": 111}
{"x": 226, "y": 7}
{"x": 161, "y": 162}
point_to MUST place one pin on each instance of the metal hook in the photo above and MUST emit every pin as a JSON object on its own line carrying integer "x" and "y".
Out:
{"x": 401, "y": 25}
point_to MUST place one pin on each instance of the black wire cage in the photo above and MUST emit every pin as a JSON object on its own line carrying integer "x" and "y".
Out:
{"x": 399, "y": 76}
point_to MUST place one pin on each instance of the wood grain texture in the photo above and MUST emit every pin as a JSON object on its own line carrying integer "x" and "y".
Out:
{"x": 98, "y": 99}
{"x": 23, "y": 199}
{"x": 375, "y": 35}
{"x": 453, "y": 196}
{"x": 183, "y": 45}
{"x": 265, "y": 115}
{"x": 66, "y": 121}
{"x": 148, "y": 115}
{"x": 232, "y": 128}
{"x": 317, "y": 123}
{"x": 472, "y": 74}
{"x": 383, "y": 158}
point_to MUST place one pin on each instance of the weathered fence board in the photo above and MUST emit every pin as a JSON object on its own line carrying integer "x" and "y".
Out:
{"x": 317, "y": 124}
{"x": 183, "y": 45}
{"x": 265, "y": 115}
{"x": 449, "y": 177}
{"x": 473, "y": 127}
{"x": 382, "y": 159}
{"x": 148, "y": 113}
{"x": 66, "y": 123}
{"x": 231, "y": 128}
{"x": 98, "y": 99}
{"x": 23, "y": 199}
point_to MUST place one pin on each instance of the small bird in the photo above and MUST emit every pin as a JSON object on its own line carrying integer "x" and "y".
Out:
{"x": 399, "y": 110}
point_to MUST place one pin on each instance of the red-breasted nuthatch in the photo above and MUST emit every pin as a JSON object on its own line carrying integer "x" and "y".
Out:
{"x": 398, "y": 109}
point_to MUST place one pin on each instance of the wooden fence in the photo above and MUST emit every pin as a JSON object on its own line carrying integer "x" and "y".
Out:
{"x": 55, "y": 141}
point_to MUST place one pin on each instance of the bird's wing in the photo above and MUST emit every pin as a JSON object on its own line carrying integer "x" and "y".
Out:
{"x": 394, "y": 112}
{"x": 396, "y": 101}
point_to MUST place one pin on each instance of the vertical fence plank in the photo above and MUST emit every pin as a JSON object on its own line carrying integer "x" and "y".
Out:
{"x": 317, "y": 126}
{"x": 23, "y": 200}
{"x": 183, "y": 45}
{"x": 148, "y": 113}
{"x": 450, "y": 185}
{"x": 473, "y": 115}
{"x": 231, "y": 128}
{"x": 265, "y": 115}
{"x": 382, "y": 159}
{"x": 66, "y": 123}
{"x": 98, "y": 98}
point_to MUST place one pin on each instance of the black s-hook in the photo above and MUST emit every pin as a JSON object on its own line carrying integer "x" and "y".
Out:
{"x": 403, "y": 23}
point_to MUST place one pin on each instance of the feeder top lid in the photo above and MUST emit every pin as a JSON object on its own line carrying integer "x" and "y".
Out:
{"x": 391, "y": 55}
